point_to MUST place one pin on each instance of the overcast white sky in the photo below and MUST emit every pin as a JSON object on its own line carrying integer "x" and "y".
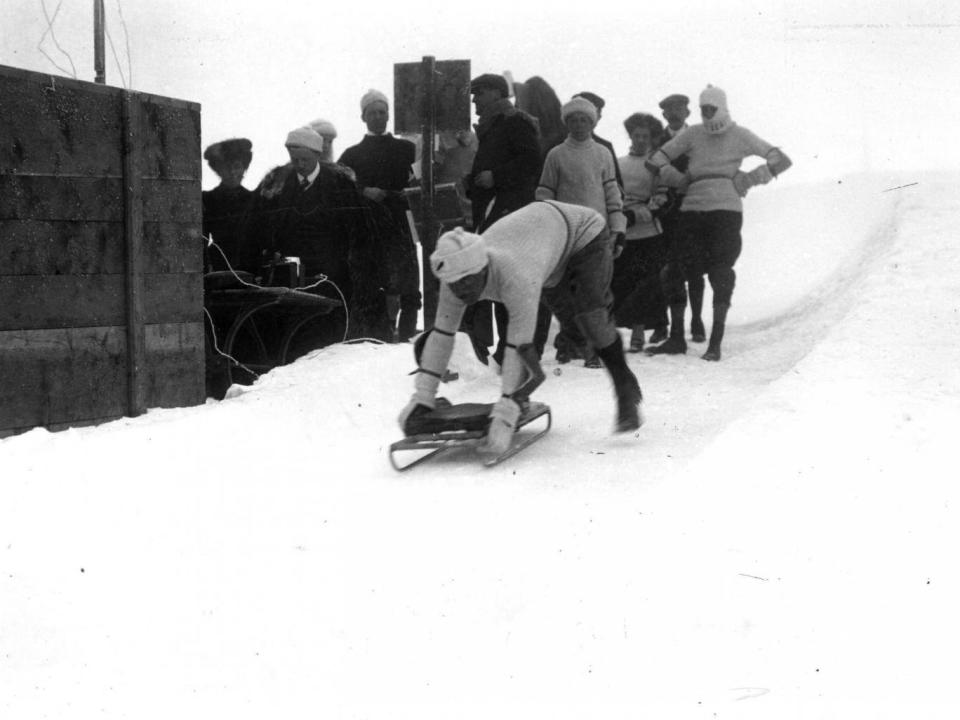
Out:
{"x": 840, "y": 86}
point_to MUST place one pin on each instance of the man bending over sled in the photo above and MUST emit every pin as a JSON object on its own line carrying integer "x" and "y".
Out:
{"x": 562, "y": 251}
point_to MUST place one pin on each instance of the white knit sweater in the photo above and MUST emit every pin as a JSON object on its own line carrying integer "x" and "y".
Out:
{"x": 582, "y": 173}
{"x": 714, "y": 160}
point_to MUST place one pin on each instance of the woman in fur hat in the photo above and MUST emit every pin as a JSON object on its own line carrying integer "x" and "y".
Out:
{"x": 225, "y": 207}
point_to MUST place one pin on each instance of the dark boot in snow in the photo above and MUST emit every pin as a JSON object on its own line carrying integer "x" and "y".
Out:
{"x": 716, "y": 332}
{"x": 636, "y": 338}
{"x": 697, "y": 332}
{"x": 675, "y": 344}
{"x": 590, "y": 358}
{"x": 625, "y": 385}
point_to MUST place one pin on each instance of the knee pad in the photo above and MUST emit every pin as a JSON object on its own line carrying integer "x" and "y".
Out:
{"x": 597, "y": 327}
{"x": 722, "y": 280}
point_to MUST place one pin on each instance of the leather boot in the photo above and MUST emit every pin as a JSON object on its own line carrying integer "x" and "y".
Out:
{"x": 625, "y": 385}
{"x": 716, "y": 332}
{"x": 675, "y": 344}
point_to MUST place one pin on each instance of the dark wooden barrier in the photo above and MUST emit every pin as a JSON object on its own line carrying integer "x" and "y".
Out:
{"x": 101, "y": 267}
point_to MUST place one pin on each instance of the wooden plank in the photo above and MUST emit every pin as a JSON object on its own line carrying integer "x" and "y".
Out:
{"x": 170, "y": 141}
{"x": 60, "y": 247}
{"x": 47, "y": 197}
{"x": 61, "y": 375}
{"x": 36, "y": 197}
{"x": 62, "y": 301}
{"x": 133, "y": 242}
{"x": 174, "y": 365}
{"x": 64, "y": 377}
{"x": 40, "y": 247}
{"x": 58, "y": 127}
{"x": 89, "y": 87}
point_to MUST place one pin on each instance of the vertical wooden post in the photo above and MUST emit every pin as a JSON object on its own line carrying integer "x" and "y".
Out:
{"x": 428, "y": 242}
{"x": 99, "y": 56}
{"x": 133, "y": 240}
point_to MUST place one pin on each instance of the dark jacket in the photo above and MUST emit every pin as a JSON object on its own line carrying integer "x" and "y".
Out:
{"x": 224, "y": 213}
{"x": 330, "y": 228}
{"x": 509, "y": 148}
{"x": 385, "y": 162}
{"x": 616, "y": 163}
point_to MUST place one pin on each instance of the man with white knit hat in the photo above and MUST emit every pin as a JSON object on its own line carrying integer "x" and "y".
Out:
{"x": 582, "y": 172}
{"x": 711, "y": 215}
{"x": 383, "y": 165}
{"x": 309, "y": 210}
{"x": 545, "y": 247}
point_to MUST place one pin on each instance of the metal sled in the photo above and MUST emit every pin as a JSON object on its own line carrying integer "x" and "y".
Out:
{"x": 465, "y": 425}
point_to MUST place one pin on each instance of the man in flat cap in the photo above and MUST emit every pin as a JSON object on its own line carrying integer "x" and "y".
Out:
{"x": 225, "y": 207}
{"x": 503, "y": 179}
{"x": 383, "y": 165}
{"x": 676, "y": 110}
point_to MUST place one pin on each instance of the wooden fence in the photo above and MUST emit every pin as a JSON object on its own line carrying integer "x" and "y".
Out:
{"x": 101, "y": 284}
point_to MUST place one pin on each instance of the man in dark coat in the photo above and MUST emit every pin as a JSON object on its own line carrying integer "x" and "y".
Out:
{"x": 503, "y": 178}
{"x": 384, "y": 165}
{"x": 311, "y": 211}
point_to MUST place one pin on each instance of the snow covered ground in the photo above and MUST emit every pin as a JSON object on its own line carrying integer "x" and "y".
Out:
{"x": 778, "y": 541}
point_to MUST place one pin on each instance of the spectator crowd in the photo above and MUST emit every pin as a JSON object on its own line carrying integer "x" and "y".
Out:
{"x": 672, "y": 209}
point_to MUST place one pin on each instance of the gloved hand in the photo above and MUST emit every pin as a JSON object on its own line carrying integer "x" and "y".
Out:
{"x": 503, "y": 423}
{"x": 619, "y": 239}
{"x": 415, "y": 408}
{"x": 760, "y": 175}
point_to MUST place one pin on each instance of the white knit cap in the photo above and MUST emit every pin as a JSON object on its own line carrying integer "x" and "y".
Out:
{"x": 714, "y": 96}
{"x": 323, "y": 127}
{"x": 306, "y": 138}
{"x": 720, "y": 122}
{"x": 372, "y": 96}
{"x": 581, "y": 105}
{"x": 459, "y": 253}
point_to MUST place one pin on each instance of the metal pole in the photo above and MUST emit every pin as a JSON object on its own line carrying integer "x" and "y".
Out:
{"x": 99, "y": 55}
{"x": 428, "y": 242}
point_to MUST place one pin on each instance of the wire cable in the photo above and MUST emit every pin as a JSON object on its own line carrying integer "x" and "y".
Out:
{"x": 49, "y": 31}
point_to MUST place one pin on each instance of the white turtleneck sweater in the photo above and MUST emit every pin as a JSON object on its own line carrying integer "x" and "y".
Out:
{"x": 582, "y": 173}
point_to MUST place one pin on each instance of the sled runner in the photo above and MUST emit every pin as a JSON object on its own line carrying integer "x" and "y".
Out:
{"x": 465, "y": 425}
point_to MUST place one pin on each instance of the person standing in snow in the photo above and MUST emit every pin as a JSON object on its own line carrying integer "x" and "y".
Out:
{"x": 503, "y": 178}
{"x": 225, "y": 207}
{"x": 308, "y": 210}
{"x": 675, "y": 110}
{"x": 711, "y": 215}
{"x": 599, "y": 103}
{"x": 637, "y": 294}
{"x": 545, "y": 247}
{"x": 384, "y": 166}
{"x": 581, "y": 171}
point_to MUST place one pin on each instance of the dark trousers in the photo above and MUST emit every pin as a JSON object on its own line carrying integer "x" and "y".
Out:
{"x": 582, "y": 299}
{"x": 637, "y": 293}
{"x": 706, "y": 243}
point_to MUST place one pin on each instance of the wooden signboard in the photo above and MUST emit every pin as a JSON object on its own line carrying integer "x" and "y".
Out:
{"x": 451, "y": 93}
